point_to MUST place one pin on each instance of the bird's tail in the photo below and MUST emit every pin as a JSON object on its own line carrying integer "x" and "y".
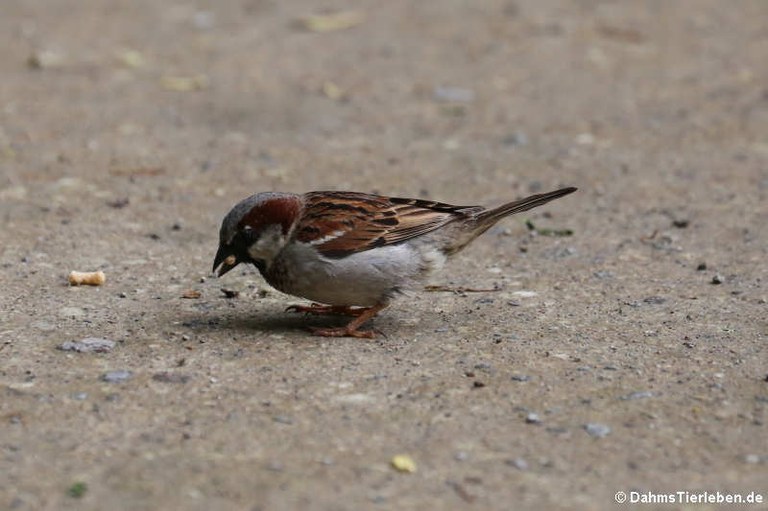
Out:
{"x": 489, "y": 217}
{"x": 484, "y": 220}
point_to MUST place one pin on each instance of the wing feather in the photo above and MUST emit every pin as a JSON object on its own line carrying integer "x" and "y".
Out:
{"x": 342, "y": 223}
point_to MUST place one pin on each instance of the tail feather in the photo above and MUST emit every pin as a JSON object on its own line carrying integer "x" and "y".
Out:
{"x": 485, "y": 219}
{"x": 489, "y": 217}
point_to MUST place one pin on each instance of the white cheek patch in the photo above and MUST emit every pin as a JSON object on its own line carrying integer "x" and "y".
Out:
{"x": 329, "y": 237}
{"x": 268, "y": 245}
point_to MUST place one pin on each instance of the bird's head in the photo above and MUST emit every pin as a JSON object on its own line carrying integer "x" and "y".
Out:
{"x": 255, "y": 230}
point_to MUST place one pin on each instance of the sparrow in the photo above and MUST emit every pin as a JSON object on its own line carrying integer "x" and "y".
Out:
{"x": 351, "y": 253}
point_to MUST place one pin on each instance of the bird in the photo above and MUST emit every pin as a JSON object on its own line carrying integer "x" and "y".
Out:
{"x": 351, "y": 253}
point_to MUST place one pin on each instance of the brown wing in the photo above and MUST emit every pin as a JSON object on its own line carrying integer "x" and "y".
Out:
{"x": 342, "y": 223}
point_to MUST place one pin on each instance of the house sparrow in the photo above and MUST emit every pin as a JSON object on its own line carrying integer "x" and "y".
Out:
{"x": 352, "y": 251}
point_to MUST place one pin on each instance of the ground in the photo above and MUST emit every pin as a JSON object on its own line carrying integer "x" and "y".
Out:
{"x": 628, "y": 356}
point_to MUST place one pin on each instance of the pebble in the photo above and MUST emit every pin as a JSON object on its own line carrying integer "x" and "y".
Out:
{"x": 597, "y": 430}
{"x": 168, "y": 377}
{"x": 453, "y": 94}
{"x": 282, "y": 419}
{"x": 637, "y": 395}
{"x": 655, "y": 300}
{"x": 533, "y": 418}
{"x": 88, "y": 345}
{"x": 461, "y": 456}
{"x": 117, "y": 376}
{"x": 520, "y": 377}
{"x": 717, "y": 279}
{"x": 518, "y": 138}
{"x": 518, "y": 463}
{"x": 752, "y": 459}
{"x": 701, "y": 267}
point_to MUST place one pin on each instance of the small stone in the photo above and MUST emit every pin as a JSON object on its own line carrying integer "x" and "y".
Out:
{"x": 717, "y": 279}
{"x": 752, "y": 459}
{"x": 533, "y": 418}
{"x": 80, "y": 396}
{"x": 169, "y": 377}
{"x": 282, "y": 419}
{"x": 681, "y": 223}
{"x": 520, "y": 377}
{"x": 518, "y": 463}
{"x": 637, "y": 395}
{"x": 518, "y": 138}
{"x": 230, "y": 293}
{"x": 701, "y": 267}
{"x": 597, "y": 430}
{"x": 478, "y": 384}
{"x": 117, "y": 376}
{"x": 453, "y": 95}
{"x": 655, "y": 300}
{"x": 461, "y": 456}
{"x": 88, "y": 345}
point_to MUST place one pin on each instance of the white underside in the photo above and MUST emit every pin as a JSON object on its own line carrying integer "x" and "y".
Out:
{"x": 362, "y": 279}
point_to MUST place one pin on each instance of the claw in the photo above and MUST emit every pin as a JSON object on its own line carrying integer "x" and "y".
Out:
{"x": 317, "y": 309}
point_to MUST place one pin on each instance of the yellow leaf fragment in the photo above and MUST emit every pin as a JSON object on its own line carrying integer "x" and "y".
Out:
{"x": 340, "y": 20}
{"x": 131, "y": 58}
{"x": 185, "y": 83}
{"x": 403, "y": 463}
{"x": 333, "y": 91}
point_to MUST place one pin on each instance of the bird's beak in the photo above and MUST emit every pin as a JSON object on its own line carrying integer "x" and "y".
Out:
{"x": 225, "y": 259}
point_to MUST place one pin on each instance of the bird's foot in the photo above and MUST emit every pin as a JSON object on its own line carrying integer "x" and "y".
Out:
{"x": 351, "y": 330}
{"x": 317, "y": 309}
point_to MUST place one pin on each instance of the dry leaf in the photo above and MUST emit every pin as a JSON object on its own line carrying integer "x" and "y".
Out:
{"x": 131, "y": 58}
{"x": 341, "y": 20}
{"x": 185, "y": 83}
{"x": 191, "y": 294}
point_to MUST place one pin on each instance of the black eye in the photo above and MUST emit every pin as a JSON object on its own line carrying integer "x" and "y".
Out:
{"x": 248, "y": 234}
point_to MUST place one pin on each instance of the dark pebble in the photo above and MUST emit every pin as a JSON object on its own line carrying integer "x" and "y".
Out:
{"x": 681, "y": 224}
{"x": 520, "y": 377}
{"x": 478, "y": 384}
{"x": 167, "y": 377}
{"x": 230, "y": 293}
{"x": 117, "y": 376}
{"x": 518, "y": 463}
{"x": 655, "y": 300}
{"x": 88, "y": 345}
{"x": 717, "y": 279}
{"x": 701, "y": 267}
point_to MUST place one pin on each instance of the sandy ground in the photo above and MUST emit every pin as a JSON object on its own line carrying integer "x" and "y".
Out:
{"x": 128, "y": 129}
